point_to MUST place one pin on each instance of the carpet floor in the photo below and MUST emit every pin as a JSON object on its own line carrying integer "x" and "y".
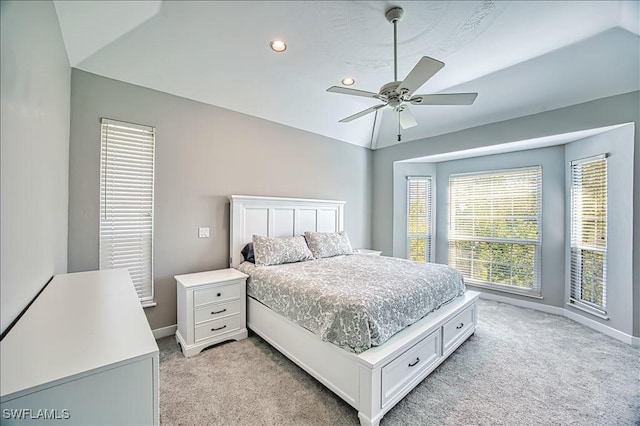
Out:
{"x": 522, "y": 367}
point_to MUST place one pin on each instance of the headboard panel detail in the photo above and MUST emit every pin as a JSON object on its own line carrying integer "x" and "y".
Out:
{"x": 279, "y": 217}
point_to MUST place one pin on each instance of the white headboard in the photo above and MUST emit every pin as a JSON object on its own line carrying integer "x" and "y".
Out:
{"x": 279, "y": 217}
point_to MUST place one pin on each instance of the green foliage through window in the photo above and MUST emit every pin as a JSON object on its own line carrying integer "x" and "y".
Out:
{"x": 494, "y": 227}
{"x": 589, "y": 232}
{"x": 419, "y": 218}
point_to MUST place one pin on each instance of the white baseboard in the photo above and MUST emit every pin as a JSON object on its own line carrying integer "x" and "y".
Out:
{"x": 604, "y": 329}
{"x": 170, "y": 330}
{"x": 523, "y": 303}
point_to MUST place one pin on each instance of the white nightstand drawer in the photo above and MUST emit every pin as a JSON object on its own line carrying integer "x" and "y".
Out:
{"x": 217, "y": 311}
{"x": 455, "y": 328}
{"x": 220, "y": 326}
{"x": 217, "y": 294}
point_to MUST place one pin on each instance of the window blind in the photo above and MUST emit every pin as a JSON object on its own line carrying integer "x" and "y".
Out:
{"x": 589, "y": 232}
{"x": 419, "y": 218}
{"x": 126, "y": 202}
{"x": 494, "y": 228}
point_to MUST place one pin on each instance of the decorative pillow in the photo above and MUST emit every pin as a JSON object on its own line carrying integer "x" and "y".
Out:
{"x": 328, "y": 244}
{"x": 274, "y": 251}
{"x": 247, "y": 253}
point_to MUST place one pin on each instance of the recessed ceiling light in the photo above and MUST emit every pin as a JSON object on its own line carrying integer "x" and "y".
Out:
{"x": 348, "y": 81}
{"x": 278, "y": 46}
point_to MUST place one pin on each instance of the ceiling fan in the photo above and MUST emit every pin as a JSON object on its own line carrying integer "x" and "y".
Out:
{"x": 397, "y": 94}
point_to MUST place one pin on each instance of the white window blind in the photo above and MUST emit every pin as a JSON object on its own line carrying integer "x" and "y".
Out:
{"x": 419, "y": 218}
{"x": 494, "y": 228}
{"x": 126, "y": 202}
{"x": 589, "y": 232}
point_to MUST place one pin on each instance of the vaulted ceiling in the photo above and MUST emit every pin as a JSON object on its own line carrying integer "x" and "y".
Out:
{"x": 522, "y": 57}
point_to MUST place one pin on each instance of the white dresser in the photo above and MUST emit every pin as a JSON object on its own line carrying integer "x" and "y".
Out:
{"x": 212, "y": 308}
{"x": 82, "y": 354}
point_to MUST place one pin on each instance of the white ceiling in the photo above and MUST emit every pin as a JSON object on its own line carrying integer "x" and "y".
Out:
{"x": 522, "y": 57}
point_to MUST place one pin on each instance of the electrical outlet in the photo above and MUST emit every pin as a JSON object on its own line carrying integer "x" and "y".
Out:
{"x": 203, "y": 232}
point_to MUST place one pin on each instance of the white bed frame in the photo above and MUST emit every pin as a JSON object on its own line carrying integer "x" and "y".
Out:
{"x": 377, "y": 379}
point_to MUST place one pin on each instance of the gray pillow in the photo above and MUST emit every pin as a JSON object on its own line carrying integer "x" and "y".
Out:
{"x": 328, "y": 244}
{"x": 274, "y": 251}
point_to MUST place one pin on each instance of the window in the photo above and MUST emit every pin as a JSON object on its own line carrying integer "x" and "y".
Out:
{"x": 589, "y": 233}
{"x": 494, "y": 228}
{"x": 419, "y": 218}
{"x": 126, "y": 202}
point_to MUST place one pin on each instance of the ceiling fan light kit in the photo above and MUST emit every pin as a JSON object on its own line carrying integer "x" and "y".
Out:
{"x": 397, "y": 94}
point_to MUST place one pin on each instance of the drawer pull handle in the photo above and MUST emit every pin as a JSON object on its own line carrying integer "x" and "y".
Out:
{"x": 219, "y": 294}
{"x": 219, "y": 328}
{"x": 460, "y": 326}
{"x": 219, "y": 312}
{"x": 414, "y": 363}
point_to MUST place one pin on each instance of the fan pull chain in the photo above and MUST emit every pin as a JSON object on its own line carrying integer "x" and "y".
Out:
{"x": 399, "y": 136}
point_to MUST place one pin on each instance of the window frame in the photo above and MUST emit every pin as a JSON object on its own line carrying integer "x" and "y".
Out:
{"x": 536, "y": 290}
{"x": 145, "y": 288}
{"x": 576, "y": 300}
{"x": 430, "y": 255}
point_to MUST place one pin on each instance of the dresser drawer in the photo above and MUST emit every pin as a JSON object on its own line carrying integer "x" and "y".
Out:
{"x": 458, "y": 326}
{"x": 216, "y": 327}
{"x": 216, "y": 311}
{"x": 399, "y": 373}
{"x": 217, "y": 294}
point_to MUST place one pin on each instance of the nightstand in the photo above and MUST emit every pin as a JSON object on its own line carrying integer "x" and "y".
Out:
{"x": 367, "y": 252}
{"x": 212, "y": 308}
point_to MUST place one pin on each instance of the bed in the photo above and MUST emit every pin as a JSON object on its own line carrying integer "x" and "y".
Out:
{"x": 371, "y": 375}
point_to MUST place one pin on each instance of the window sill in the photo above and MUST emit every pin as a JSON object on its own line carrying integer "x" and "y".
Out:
{"x": 506, "y": 289}
{"x": 588, "y": 310}
{"x": 148, "y": 304}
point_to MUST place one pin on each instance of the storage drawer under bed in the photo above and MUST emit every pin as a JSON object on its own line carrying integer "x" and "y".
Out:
{"x": 457, "y": 327}
{"x": 402, "y": 371}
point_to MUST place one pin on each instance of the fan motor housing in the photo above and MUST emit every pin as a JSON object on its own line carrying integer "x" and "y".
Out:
{"x": 389, "y": 92}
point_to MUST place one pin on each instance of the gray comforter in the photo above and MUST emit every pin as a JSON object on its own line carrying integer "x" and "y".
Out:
{"x": 354, "y": 301}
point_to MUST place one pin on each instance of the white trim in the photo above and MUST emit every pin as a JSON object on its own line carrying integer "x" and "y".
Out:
{"x": 523, "y": 303}
{"x": 595, "y": 325}
{"x": 567, "y": 313}
{"x": 167, "y": 331}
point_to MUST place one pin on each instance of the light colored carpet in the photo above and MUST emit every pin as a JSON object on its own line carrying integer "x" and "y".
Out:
{"x": 522, "y": 367}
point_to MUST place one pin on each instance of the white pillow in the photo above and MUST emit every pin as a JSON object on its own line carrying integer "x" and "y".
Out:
{"x": 328, "y": 244}
{"x": 274, "y": 251}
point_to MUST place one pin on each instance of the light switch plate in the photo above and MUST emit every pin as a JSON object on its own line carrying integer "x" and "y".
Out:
{"x": 203, "y": 232}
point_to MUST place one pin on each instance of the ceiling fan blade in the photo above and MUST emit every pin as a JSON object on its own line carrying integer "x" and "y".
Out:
{"x": 444, "y": 99}
{"x": 361, "y": 113}
{"x": 423, "y": 71}
{"x": 355, "y": 92}
{"x": 406, "y": 117}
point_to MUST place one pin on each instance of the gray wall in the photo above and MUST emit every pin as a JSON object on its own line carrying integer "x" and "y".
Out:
{"x": 553, "y": 225}
{"x": 203, "y": 154}
{"x": 35, "y": 95}
{"x": 618, "y": 144}
{"x": 599, "y": 113}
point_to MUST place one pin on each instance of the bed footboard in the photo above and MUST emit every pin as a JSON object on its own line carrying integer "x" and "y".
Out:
{"x": 374, "y": 381}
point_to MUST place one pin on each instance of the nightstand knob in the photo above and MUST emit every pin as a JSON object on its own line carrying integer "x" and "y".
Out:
{"x": 219, "y": 294}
